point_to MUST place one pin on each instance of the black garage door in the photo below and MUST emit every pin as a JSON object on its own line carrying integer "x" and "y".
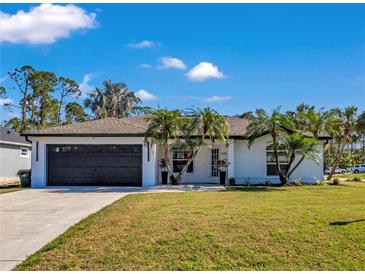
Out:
{"x": 94, "y": 165}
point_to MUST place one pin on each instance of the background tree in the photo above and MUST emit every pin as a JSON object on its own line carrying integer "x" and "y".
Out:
{"x": 74, "y": 113}
{"x": 114, "y": 100}
{"x": 341, "y": 124}
{"x": 5, "y": 103}
{"x": 2, "y": 92}
{"x": 261, "y": 123}
{"x": 67, "y": 87}
{"x": 21, "y": 76}
{"x": 360, "y": 128}
{"x": 13, "y": 123}
{"x": 97, "y": 103}
{"x": 45, "y": 107}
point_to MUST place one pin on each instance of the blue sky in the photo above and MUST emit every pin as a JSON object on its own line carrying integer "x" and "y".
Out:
{"x": 250, "y": 55}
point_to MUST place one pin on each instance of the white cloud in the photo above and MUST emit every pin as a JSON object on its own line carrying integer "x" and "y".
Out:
{"x": 204, "y": 71}
{"x": 144, "y": 95}
{"x": 171, "y": 62}
{"x": 6, "y": 101}
{"x": 145, "y": 66}
{"x": 216, "y": 99}
{"x": 143, "y": 44}
{"x": 3, "y": 79}
{"x": 44, "y": 24}
{"x": 85, "y": 87}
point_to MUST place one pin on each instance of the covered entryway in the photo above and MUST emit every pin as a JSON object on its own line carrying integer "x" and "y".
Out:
{"x": 94, "y": 165}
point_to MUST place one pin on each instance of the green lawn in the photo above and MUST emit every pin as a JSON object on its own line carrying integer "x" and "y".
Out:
{"x": 290, "y": 228}
{"x": 351, "y": 176}
{"x": 10, "y": 189}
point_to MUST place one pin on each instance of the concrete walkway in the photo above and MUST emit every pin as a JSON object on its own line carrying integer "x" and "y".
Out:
{"x": 29, "y": 219}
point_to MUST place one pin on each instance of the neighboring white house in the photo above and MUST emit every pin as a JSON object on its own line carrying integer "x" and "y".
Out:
{"x": 113, "y": 152}
{"x": 15, "y": 154}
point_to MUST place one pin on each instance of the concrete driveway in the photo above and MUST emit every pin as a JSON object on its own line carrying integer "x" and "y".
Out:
{"x": 29, "y": 219}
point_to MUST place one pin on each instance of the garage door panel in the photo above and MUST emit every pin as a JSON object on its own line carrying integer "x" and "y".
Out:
{"x": 114, "y": 165}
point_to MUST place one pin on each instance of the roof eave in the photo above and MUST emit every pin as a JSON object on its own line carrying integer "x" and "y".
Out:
{"x": 83, "y": 134}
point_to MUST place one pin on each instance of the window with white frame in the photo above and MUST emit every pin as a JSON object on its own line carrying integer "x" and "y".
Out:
{"x": 270, "y": 161}
{"x": 24, "y": 152}
{"x": 215, "y": 158}
{"x": 180, "y": 158}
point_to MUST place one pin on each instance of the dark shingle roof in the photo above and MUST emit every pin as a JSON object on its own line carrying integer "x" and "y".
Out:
{"x": 133, "y": 126}
{"x": 9, "y": 135}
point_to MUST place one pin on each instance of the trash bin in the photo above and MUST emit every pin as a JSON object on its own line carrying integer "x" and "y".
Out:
{"x": 24, "y": 176}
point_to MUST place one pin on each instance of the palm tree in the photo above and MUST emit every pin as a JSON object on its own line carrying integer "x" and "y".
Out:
{"x": 342, "y": 124}
{"x": 360, "y": 128}
{"x": 201, "y": 127}
{"x": 310, "y": 120}
{"x": 97, "y": 103}
{"x": 261, "y": 123}
{"x": 298, "y": 144}
{"x": 163, "y": 126}
{"x": 114, "y": 100}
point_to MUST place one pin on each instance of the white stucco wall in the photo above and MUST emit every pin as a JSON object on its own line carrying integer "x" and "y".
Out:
{"x": 39, "y": 168}
{"x": 202, "y": 165}
{"x": 250, "y": 164}
{"x": 246, "y": 165}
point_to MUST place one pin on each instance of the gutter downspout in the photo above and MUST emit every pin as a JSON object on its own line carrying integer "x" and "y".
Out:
{"x": 27, "y": 139}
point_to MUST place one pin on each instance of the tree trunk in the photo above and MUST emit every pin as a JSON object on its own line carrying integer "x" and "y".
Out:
{"x": 281, "y": 176}
{"x": 291, "y": 160}
{"x": 24, "y": 115}
{"x": 339, "y": 154}
{"x": 59, "y": 111}
{"x": 166, "y": 156}
{"x": 183, "y": 172}
{"x": 295, "y": 167}
{"x": 42, "y": 113}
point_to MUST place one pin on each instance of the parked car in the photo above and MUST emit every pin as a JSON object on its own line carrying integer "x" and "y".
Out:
{"x": 338, "y": 170}
{"x": 358, "y": 169}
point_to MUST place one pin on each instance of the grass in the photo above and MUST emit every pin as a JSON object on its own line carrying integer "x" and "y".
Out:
{"x": 10, "y": 187}
{"x": 351, "y": 176}
{"x": 246, "y": 228}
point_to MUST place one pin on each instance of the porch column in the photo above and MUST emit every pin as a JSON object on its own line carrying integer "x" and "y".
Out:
{"x": 230, "y": 158}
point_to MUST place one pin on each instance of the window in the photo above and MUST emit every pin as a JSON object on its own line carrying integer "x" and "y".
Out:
{"x": 270, "y": 161}
{"x": 215, "y": 158}
{"x": 24, "y": 152}
{"x": 179, "y": 160}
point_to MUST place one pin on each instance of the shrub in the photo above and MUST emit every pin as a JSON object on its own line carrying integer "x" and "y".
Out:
{"x": 317, "y": 182}
{"x": 297, "y": 181}
{"x": 232, "y": 181}
{"x": 335, "y": 181}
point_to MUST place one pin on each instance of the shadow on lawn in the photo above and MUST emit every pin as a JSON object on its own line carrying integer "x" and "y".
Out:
{"x": 342, "y": 223}
{"x": 255, "y": 188}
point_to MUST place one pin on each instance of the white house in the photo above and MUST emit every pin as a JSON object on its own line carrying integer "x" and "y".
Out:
{"x": 113, "y": 152}
{"x": 15, "y": 154}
